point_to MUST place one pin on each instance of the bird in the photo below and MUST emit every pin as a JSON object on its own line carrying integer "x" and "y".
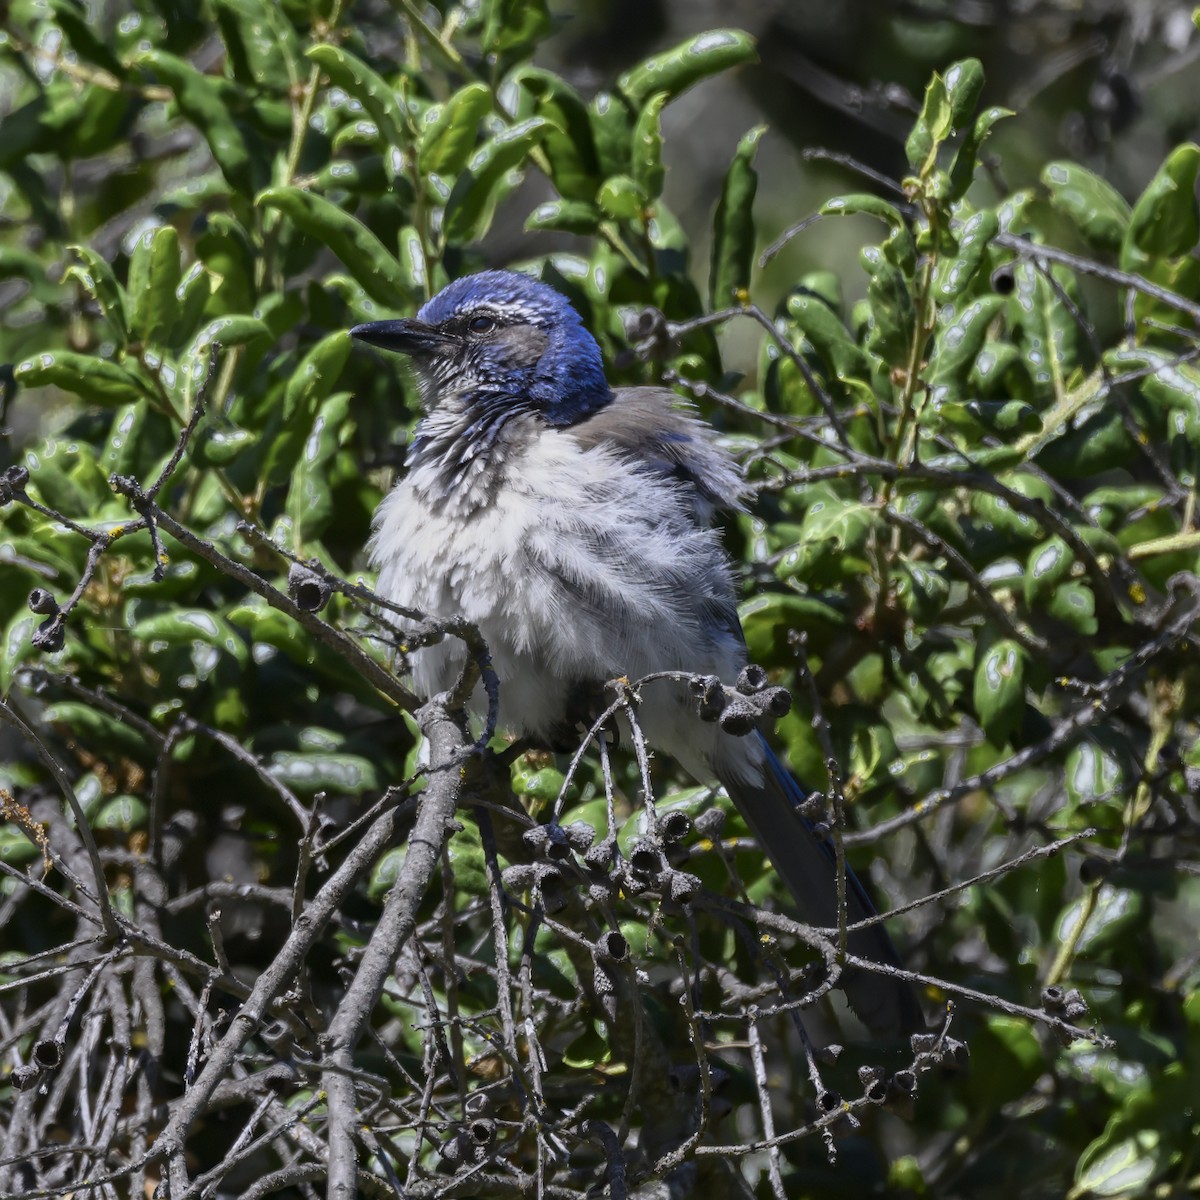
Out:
{"x": 572, "y": 523}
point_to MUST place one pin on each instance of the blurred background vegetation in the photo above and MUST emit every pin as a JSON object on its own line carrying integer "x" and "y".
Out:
{"x": 975, "y": 469}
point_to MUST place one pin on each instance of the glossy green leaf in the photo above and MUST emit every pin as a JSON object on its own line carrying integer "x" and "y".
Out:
{"x": 263, "y": 46}
{"x": 203, "y": 100}
{"x": 154, "y": 276}
{"x": 227, "y": 251}
{"x": 621, "y": 198}
{"x": 368, "y": 87}
{"x": 185, "y": 627}
{"x": 472, "y": 201}
{"x": 568, "y": 216}
{"x": 514, "y": 25}
{"x": 677, "y": 69}
{"x": 733, "y": 226}
{"x": 891, "y": 312}
{"x": 647, "y": 165}
{"x": 1074, "y": 604}
{"x": 1094, "y": 774}
{"x": 962, "y": 169}
{"x": 932, "y": 127}
{"x": 1092, "y": 204}
{"x": 964, "y": 83}
{"x": 865, "y": 203}
{"x": 309, "y": 385}
{"x": 570, "y": 143}
{"x": 97, "y": 279}
{"x": 1165, "y": 222}
{"x": 362, "y": 253}
{"x": 955, "y": 273}
{"x": 310, "y": 500}
{"x": 1049, "y": 563}
{"x": 827, "y": 335}
{"x": 95, "y": 380}
{"x": 309, "y": 772}
{"x": 450, "y": 131}
{"x": 958, "y": 341}
{"x": 999, "y": 695}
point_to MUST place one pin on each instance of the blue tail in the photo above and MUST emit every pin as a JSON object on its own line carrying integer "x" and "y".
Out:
{"x": 806, "y": 863}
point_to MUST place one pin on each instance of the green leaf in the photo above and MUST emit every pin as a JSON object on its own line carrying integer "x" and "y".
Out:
{"x": 1094, "y": 774}
{"x": 203, "y": 100}
{"x": 1165, "y": 222}
{"x": 83, "y": 40}
{"x": 648, "y": 169}
{"x": 570, "y": 144}
{"x": 307, "y": 387}
{"x": 450, "y": 130}
{"x": 733, "y": 226}
{"x": 1074, "y": 605}
{"x": 1004, "y": 418}
{"x": 955, "y": 272}
{"x": 154, "y": 276}
{"x": 511, "y": 25}
{"x": 121, "y": 814}
{"x": 964, "y": 83}
{"x": 1048, "y": 565}
{"x": 226, "y": 249}
{"x": 310, "y": 501}
{"x": 866, "y": 204}
{"x": 675, "y": 70}
{"x": 261, "y": 43}
{"x": 188, "y": 626}
{"x": 827, "y": 336}
{"x": 472, "y": 200}
{"x": 1006, "y": 1061}
{"x": 96, "y": 380}
{"x": 892, "y": 314}
{"x": 97, "y": 279}
{"x": 569, "y": 216}
{"x": 621, "y": 198}
{"x": 962, "y": 169}
{"x": 226, "y": 332}
{"x": 118, "y": 455}
{"x": 369, "y": 88}
{"x": 362, "y": 253}
{"x": 931, "y": 129}
{"x": 999, "y": 696}
{"x": 1090, "y": 203}
{"x": 612, "y": 128}
{"x": 958, "y": 342}
{"x": 219, "y": 446}
{"x": 309, "y": 773}
{"x": 17, "y": 647}
{"x": 94, "y": 727}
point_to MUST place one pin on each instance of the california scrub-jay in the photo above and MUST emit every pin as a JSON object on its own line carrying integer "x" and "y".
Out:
{"x": 570, "y": 522}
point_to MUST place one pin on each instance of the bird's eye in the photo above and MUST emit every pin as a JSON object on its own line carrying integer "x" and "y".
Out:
{"x": 481, "y": 324}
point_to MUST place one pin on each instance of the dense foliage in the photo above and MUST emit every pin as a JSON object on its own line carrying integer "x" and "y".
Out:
{"x": 272, "y": 928}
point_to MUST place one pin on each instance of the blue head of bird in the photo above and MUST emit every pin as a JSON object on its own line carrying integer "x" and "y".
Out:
{"x": 498, "y": 337}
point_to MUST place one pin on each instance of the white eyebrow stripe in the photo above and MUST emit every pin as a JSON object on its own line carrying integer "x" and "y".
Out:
{"x": 509, "y": 312}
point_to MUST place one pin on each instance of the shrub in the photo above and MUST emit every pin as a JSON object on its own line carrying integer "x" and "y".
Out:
{"x": 259, "y": 937}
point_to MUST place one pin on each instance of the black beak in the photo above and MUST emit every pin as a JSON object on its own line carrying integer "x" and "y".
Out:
{"x": 409, "y": 336}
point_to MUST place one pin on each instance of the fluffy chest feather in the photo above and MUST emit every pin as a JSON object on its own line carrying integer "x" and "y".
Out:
{"x": 578, "y": 568}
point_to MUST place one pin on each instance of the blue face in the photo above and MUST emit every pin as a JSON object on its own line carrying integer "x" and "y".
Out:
{"x": 499, "y": 334}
